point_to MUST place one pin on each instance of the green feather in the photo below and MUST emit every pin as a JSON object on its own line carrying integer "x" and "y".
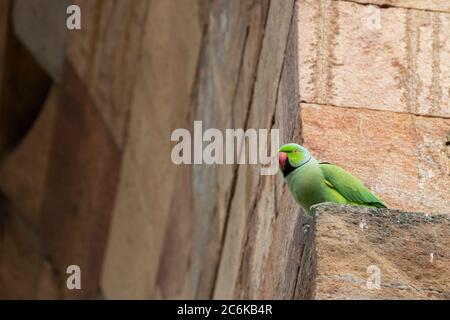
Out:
{"x": 348, "y": 186}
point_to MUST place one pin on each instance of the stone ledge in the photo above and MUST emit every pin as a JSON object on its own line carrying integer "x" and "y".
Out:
{"x": 428, "y": 5}
{"x": 345, "y": 246}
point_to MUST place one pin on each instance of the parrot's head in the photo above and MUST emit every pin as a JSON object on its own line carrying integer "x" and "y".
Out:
{"x": 291, "y": 156}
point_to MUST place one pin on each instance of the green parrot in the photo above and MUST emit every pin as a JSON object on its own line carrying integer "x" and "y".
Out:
{"x": 312, "y": 182}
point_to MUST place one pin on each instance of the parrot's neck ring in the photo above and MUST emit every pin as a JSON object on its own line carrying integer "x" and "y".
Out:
{"x": 290, "y": 168}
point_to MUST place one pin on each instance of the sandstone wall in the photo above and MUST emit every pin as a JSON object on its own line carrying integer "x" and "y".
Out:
{"x": 362, "y": 253}
{"x": 86, "y": 176}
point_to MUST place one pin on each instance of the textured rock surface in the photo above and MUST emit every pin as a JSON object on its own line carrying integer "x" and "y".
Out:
{"x": 222, "y": 70}
{"x": 81, "y": 180}
{"x": 106, "y": 52}
{"x": 248, "y": 233}
{"x": 432, "y": 5}
{"x": 346, "y": 246}
{"x": 399, "y": 63}
{"x": 160, "y": 104}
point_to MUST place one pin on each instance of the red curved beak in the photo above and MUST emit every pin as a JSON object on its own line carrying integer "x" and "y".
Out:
{"x": 282, "y": 158}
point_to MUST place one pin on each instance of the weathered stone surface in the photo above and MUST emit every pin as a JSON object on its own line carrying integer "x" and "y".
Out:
{"x": 227, "y": 71}
{"x": 401, "y": 157}
{"x": 252, "y": 211}
{"x": 346, "y": 243}
{"x": 161, "y": 103}
{"x": 23, "y": 173}
{"x": 34, "y": 21}
{"x": 276, "y": 212}
{"x": 173, "y": 279}
{"x": 432, "y": 5}
{"x": 106, "y": 54}
{"x": 349, "y": 57}
{"x": 219, "y": 71}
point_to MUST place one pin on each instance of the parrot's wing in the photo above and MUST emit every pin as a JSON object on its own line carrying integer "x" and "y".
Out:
{"x": 348, "y": 186}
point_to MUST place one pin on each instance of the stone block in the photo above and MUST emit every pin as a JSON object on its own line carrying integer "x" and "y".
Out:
{"x": 363, "y": 253}
{"x": 394, "y": 59}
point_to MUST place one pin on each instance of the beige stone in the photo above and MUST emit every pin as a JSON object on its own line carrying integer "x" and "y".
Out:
{"x": 431, "y": 5}
{"x": 173, "y": 279}
{"x": 81, "y": 180}
{"x": 222, "y": 101}
{"x": 349, "y": 246}
{"x": 400, "y": 64}
{"x": 106, "y": 55}
{"x": 161, "y": 102}
{"x": 252, "y": 209}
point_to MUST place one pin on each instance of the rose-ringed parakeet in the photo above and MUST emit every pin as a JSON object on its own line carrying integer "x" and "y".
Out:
{"x": 312, "y": 182}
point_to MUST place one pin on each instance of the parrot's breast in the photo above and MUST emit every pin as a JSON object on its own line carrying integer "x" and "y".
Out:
{"x": 307, "y": 185}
